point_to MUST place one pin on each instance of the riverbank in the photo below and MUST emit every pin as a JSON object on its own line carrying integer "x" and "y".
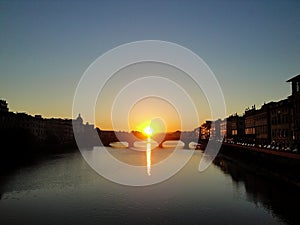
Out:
{"x": 277, "y": 166}
{"x": 17, "y": 156}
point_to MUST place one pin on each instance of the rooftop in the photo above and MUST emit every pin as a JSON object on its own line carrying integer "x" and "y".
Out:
{"x": 297, "y": 77}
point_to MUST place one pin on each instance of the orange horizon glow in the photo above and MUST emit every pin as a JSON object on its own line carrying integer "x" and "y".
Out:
{"x": 153, "y": 111}
{"x": 156, "y": 113}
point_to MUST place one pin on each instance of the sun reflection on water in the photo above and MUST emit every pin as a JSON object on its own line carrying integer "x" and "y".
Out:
{"x": 148, "y": 152}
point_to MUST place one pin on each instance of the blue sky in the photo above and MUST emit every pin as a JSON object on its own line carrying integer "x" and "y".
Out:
{"x": 253, "y": 47}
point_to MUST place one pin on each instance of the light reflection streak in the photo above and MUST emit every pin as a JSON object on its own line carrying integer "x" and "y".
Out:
{"x": 148, "y": 153}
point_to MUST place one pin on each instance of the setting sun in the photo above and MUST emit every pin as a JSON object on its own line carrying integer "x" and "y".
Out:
{"x": 155, "y": 113}
{"x": 148, "y": 131}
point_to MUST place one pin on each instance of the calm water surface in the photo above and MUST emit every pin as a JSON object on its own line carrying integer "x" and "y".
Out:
{"x": 65, "y": 190}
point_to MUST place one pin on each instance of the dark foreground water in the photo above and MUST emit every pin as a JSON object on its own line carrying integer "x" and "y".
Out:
{"x": 65, "y": 190}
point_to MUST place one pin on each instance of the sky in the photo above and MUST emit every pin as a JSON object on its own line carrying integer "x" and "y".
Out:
{"x": 252, "y": 47}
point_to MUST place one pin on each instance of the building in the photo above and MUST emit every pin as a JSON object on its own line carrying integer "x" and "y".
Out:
{"x": 45, "y": 131}
{"x": 281, "y": 124}
{"x": 218, "y": 129}
{"x": 257, "y": 125}
{"x": 249, "y": 116}
{"x": 35, "y": 125}
{"x": 80, "y": 128}
{"x": 59, "y": 130}
{"x": 262, "y": 125}
{"x": 3, "y": 106}
{"x": 294, "y": 101}
{"x": 78, "y": 125}
{"x": 205, "y": 130}
{"x": 223, "y": 129}
{"x": 86, "y": 135}
{"x": 235, "y": 128}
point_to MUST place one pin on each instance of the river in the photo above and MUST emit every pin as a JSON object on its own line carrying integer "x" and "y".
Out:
{"x": 65, "y": 190}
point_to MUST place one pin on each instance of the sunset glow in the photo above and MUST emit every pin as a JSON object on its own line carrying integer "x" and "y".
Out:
{"x": 148, "y": 131}
{"x": 155, "y": 113}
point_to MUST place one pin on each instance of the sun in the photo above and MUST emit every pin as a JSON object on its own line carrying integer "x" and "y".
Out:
{"x": 148, "y": 131}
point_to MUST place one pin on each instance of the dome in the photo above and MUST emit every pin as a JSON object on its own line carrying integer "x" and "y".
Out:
{"x": 79, "y": 119}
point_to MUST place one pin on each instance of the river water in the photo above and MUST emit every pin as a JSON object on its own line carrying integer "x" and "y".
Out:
{"x": 65, "y": 190}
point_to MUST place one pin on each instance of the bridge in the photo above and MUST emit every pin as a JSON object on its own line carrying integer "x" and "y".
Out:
{"x": 107, "y": 137}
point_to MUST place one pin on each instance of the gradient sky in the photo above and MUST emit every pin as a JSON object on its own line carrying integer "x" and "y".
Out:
{"x": 253, "y": 47}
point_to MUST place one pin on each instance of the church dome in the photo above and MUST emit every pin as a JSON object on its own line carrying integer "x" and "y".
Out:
{"x": 79, "y": 119}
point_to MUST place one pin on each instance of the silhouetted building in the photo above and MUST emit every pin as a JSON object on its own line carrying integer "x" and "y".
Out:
{"x": 23, "y": 121}
{"x": 249, "y": 116}
{"x": 78, "y": 125}
{"x": 262, "y": 125}
{"x": 86, "y": 135}
{"x": 80, "y": 128}
{"x": 218, "y": 129}
{"x": 281, "y": 124}
{"x": 235, "y": 128}
{"x": 59, "y": 129}
{"x": 295, "y": 85}
{"x": 223, "y": 129}
{"x": 3, "y": 106}
{"x": 205, "y": 130}
{"x": 53, "y": 131}
{"x": 294, "y": 101}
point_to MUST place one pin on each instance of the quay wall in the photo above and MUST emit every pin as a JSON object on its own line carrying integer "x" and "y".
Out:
{"x": 284, "y": 166}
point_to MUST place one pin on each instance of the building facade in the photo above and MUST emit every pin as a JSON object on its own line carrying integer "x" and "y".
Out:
{"x": 275, "y": 124}
{"x": 294, "y": 101}
{"x": 281, "y": 124}
{"x": 235, "y": 128}
{"x": 45, "y": 131}
{"x": 249, "y": 117}
{"x": 261, "y": 125}
{"x": 3, "y": 106}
